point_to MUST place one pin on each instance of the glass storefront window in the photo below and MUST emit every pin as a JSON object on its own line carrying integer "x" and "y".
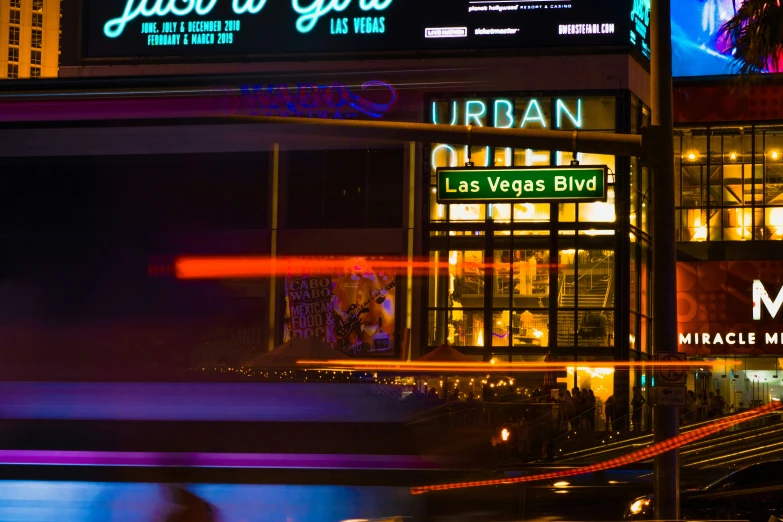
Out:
{"x": 466, "y": 328}
{"x": 594, "y": 282}
{"x": 437, "y": 211}
{"x": 467, "y": 212}
{"x": 645, "y": 303}
{"x": 595, "y": 328}
{"x": 529, "y": 328}
{"x": 693, "y": 225}
{"x": 438, "y": 281}
{"x": 715, "y": 224}
{"x": 774, "y": 223}
{"x": 531, "y": 158}
{"x": 531, "y": 212}
{"x": 510, "y": 313}
{"x": 436, "y": 320}
{"x": 599, "y": 212}
{"x": 521, "y": 275}
{"x": 500, "y": 212}
{"x": 466, "y": 274}
{"x": 567, "y": 212}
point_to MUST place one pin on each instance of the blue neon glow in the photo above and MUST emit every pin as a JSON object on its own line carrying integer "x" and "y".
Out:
{"x": 698, "y": 47}
{"x": 134, "y": 8}
{"x": 50, "y": 501}
{"x": 449, "y": 148}
{"x": 561, "y": 108}
{"x": 198, "y": 402}
{"x": 453, "y": 113}
{"x": 309, "y": 15}
{"x": 475, "y": 116}
{"x": 250, "y": 6}
{"x": 538, "y": 116}
{"x": 508, "y": 113}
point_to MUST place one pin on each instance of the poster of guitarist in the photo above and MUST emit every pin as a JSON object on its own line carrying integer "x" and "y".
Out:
{"x": 363, "y": 304}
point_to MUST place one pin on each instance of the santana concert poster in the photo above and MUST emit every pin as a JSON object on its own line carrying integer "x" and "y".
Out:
{"x": 352, "y": 309}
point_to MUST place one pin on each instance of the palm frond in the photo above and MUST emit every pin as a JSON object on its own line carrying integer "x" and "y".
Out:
{"x": 755, "y": 36}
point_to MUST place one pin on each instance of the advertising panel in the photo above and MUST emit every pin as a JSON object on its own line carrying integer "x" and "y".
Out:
{"x": 352, "y": 309}
{"x": 699, "y": 48}
{"x": 730, "y": 307}
{"x": 136, "y": 29}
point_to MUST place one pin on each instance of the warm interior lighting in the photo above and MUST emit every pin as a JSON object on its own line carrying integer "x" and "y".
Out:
{"x": 692, "y": 155}
{"x": 774, "y": 155}
{"x": 480, "y": 341}
{"x": 733, "y": 156}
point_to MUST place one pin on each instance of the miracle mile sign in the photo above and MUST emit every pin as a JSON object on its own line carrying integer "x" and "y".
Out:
{"x": 517, "y": 184}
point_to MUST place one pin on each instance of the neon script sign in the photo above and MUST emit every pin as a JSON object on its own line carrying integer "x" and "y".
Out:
{"x": 309, "y": 13}
{"x": 309, "y": 100}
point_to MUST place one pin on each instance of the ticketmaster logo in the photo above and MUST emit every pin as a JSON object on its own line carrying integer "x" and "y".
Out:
{"x": 446, "y": 32}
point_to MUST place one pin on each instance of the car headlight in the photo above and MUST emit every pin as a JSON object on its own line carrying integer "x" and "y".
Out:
{"x": 638, "y": 505}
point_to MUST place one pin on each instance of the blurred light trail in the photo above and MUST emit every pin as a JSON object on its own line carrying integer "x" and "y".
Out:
{"x": 494, "y": 367}
{"x": 636, "y": 456}
{"x": 239, "y": 267}
{"x": 220, "y": 460}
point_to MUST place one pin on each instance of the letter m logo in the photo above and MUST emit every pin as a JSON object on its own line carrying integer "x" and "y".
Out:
{"x": 760, "y": 296}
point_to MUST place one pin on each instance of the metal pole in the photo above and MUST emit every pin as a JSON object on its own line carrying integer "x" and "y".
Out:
{"x": 666, "y": 419}
{"x": 537, "y": 139}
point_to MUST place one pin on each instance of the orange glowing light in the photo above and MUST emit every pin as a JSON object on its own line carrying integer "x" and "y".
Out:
{"x": 636, "y": 456}
{"x": 238, "y": 267}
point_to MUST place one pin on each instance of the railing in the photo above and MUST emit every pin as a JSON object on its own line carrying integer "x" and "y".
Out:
{"x": 565, "y": 285}
{"x": 592, "y": 269}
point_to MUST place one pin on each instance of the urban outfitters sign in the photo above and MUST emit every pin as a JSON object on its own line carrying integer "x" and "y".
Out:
{"x": 561, "y": 184}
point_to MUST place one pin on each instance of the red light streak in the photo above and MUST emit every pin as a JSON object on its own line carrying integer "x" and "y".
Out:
{"x": 233, "y": 267}
{"x": 636, "y": 456}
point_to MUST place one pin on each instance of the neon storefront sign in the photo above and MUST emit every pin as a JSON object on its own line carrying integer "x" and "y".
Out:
{"x": 310, "y": 12}
{"x": 310, "y": 100}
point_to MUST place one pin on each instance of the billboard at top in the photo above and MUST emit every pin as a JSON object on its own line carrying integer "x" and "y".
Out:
{"x": 150, "y": 29}
{"x": 699, "y": 47}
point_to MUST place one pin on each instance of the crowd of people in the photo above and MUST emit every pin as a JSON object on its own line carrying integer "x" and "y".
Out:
{"x": 705, "y": 406}
{"x": 577, "y": 407}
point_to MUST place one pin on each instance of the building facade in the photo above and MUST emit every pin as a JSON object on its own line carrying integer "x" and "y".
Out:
{"x": 31, "y": 38}
{"x": 727, "y": 154}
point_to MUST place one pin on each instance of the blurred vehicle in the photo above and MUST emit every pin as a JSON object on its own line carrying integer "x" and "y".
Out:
{"x": 753, "y": 493}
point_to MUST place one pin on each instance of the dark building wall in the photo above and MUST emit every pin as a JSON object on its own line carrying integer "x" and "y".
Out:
{"x": 80, "y": 235}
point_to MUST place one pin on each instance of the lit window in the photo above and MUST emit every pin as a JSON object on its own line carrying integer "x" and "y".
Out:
{"x": 35, "y": 57}
{"x": 13, "y": 54}
{"x": 13, "y": 35}
{"x": 16, "y": 16}
{"x": 37, "y": 19}
{"x": 16, "y": 3}
{"x": 35, "y": 72}
{"x": 13, "y": 70}
{"x": 37, "y": 5}
{"x": 37, "y": 39}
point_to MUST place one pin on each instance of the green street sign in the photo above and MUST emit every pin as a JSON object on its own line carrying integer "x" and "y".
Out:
{"x": 518, "y": 184}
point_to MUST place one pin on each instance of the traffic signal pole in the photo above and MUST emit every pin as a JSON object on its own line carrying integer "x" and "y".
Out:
{"x": 570, "y": 141}
{"x": 666, "y": 419}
